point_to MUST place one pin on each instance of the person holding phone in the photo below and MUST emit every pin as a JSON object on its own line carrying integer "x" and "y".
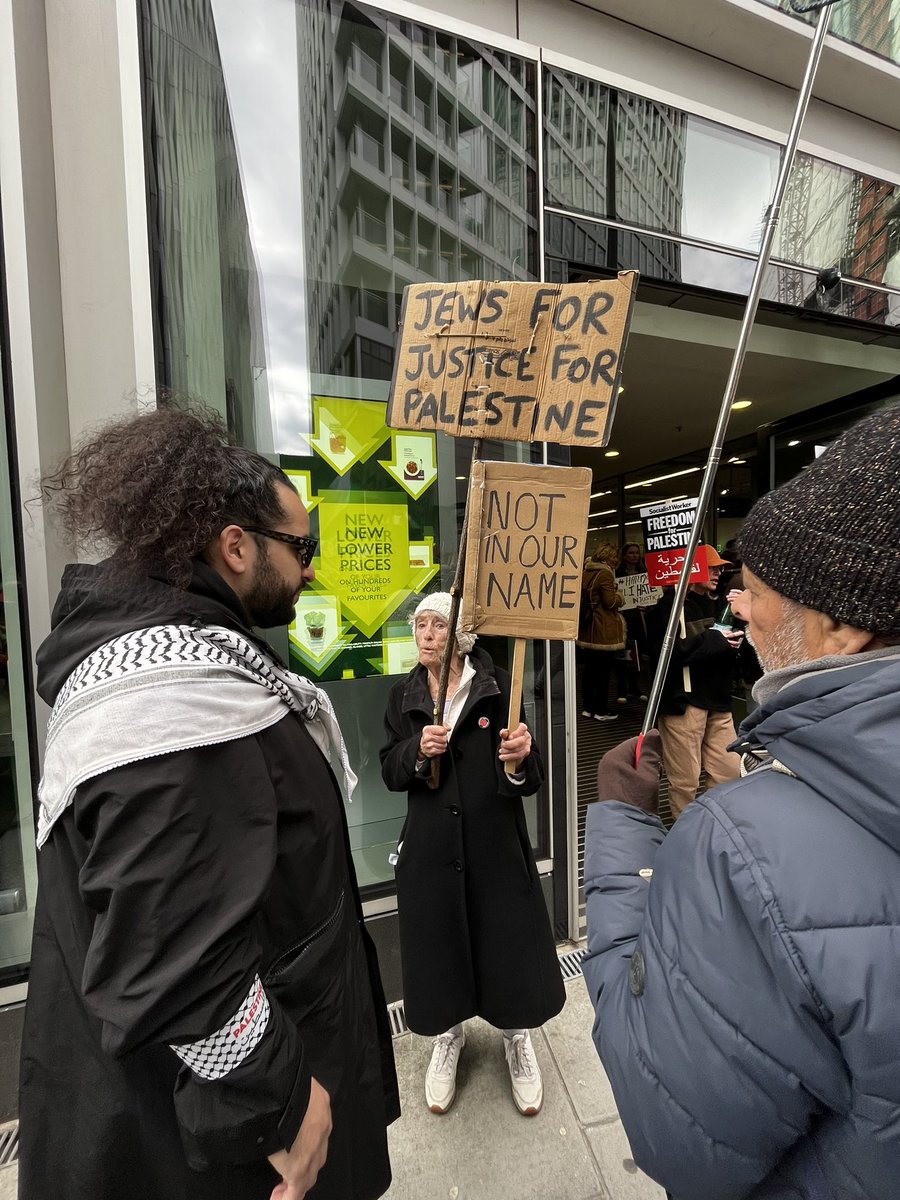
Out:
{"x": 695, "y": 721}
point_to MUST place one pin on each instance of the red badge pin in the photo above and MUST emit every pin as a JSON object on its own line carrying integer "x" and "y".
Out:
{"x": 483, "y": 722}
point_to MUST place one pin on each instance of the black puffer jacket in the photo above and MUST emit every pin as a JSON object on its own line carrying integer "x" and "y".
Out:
{"x": 711, "y": 661}
{"x": 165, "y": 888}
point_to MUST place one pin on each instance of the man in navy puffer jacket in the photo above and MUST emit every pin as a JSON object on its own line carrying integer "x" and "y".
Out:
{"x": 745, "y": 968}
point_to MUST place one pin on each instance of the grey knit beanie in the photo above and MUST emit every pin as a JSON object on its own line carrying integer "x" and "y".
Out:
{"x": 439, "y": 602}
{"x": 830, "y": 538}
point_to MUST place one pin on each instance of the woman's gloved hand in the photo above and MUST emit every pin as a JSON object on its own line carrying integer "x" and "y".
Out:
{"x": 619, "y": 779}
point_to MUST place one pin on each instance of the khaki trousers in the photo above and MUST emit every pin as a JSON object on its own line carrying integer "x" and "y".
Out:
{"x": 695, "y": 740}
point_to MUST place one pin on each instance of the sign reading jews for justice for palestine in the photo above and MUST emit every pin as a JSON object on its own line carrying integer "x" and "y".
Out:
{"x": 514, "y": 361}
{"x": 525, "y": 544}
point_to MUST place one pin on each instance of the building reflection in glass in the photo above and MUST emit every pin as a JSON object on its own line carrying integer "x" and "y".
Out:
{"x": 419, "y": 165}
{"x": 626, "y": 160}
{"x": 873, "y": 25}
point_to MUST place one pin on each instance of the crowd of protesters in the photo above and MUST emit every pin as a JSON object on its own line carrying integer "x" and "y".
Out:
{"x": 201, "y": 966}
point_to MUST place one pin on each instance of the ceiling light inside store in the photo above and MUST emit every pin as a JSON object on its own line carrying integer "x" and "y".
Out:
{"x": 739, "y": 404}
{"x": 724, "y": 492}
{"x": 660, "y": 478}
{"x": 611, "y": 454}
{"x": 596, "y": 495}
{"x": 606, "y": 512}
{"x": 795, "y": 442}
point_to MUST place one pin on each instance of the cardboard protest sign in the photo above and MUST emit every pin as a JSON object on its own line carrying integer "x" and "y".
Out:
{"x": 667, "y": 528}
{"x": 515, "y": 361}
{"x": 637, "y": 590}
{"x": 525, "y": 545}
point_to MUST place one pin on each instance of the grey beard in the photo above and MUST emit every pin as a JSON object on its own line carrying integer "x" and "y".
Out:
{"x": 787, "y": 643}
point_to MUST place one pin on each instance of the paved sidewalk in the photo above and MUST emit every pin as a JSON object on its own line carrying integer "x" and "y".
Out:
{"x": 575, "y": 1149}
{"x": 482, "y": 1149}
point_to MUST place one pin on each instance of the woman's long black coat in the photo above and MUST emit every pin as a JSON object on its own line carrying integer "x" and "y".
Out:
{"x": 475, "y": 936}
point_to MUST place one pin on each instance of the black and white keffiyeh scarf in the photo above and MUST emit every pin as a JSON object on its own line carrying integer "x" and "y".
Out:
{"x": 167, "y": 688}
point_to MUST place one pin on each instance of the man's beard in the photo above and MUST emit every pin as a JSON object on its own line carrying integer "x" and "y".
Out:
{"x": 786, "y": 644}
{"x": 270, "y": 601}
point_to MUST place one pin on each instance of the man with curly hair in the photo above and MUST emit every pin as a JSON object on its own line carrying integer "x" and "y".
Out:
{"x": 205, "y": 1016}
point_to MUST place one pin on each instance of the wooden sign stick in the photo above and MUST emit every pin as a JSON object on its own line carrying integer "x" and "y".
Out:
{"x": 515, "y": 695}
{"x": 455, "y": 601}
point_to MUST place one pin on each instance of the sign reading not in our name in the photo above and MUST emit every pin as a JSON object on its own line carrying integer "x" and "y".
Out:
{"x": 514, "y": 361}
{"x": 525, "y": 545}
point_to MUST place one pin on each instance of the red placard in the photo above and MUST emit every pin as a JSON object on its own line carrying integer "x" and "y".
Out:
{"x": 665, "y": 566}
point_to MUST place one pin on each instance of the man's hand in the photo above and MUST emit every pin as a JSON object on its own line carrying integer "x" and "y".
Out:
{"x": 515, "y": 745}
{"x": 619, "y": 779}
{"x": 433, "y": 741}
{"x": 299, "y": 1167}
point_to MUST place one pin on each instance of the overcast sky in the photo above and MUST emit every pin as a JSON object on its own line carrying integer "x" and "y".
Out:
{"x": 258, "y": 47}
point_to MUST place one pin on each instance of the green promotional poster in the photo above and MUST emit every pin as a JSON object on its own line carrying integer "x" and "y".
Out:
{"x": 373, "y": 505}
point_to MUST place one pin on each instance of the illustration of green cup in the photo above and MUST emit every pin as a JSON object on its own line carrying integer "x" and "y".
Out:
{"x": 315, "y": 625}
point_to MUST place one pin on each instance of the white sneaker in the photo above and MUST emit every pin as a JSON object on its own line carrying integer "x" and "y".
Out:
{"x": 524, "y": 1074}
{"x": 440, "y": 1078}
{"x": 606, "y": 716}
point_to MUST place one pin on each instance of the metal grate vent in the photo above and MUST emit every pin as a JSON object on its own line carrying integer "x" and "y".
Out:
{"x": 570, "y": 963}
{"x": 9, "y": 1143}
{"x": 397, "y": 1018}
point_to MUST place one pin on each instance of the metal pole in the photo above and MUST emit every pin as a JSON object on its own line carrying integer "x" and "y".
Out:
{"x": 740, "y": 352}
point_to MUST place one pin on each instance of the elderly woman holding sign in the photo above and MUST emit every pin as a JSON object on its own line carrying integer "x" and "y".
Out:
{"x": 475, "y": 937}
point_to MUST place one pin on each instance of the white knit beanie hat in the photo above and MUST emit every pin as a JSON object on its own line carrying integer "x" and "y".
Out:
{"x": 439, "y": 602}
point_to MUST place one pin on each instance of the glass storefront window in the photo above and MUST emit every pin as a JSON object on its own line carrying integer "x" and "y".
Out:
{"x": 873, "y": 25}
{"x": 835, "y": 217}
{"x": 308, "y": 161}
{"x": 18, "y": 867}
{"x": 650, "y": 165}
{"x": 798, "y": 442}
{"x": 645, "y": 164}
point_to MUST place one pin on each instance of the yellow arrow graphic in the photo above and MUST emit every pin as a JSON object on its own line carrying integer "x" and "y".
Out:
{"x": 364, "y": 555}
{"x": 347, "y": 431}
{"x": 412, "y": 462}
{"x": 317, "y": 635}
{"x": 302, "y": 481}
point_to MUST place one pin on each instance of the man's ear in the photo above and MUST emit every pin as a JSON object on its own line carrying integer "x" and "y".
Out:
{"x": 230, "y": 551}
{"x": 837, "y": 637}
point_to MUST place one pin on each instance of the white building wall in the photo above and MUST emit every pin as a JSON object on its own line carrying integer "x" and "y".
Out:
{"x": 92, "y": 49}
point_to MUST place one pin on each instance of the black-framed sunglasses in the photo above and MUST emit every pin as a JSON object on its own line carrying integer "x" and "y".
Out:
{"x": 305, "y": 546}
